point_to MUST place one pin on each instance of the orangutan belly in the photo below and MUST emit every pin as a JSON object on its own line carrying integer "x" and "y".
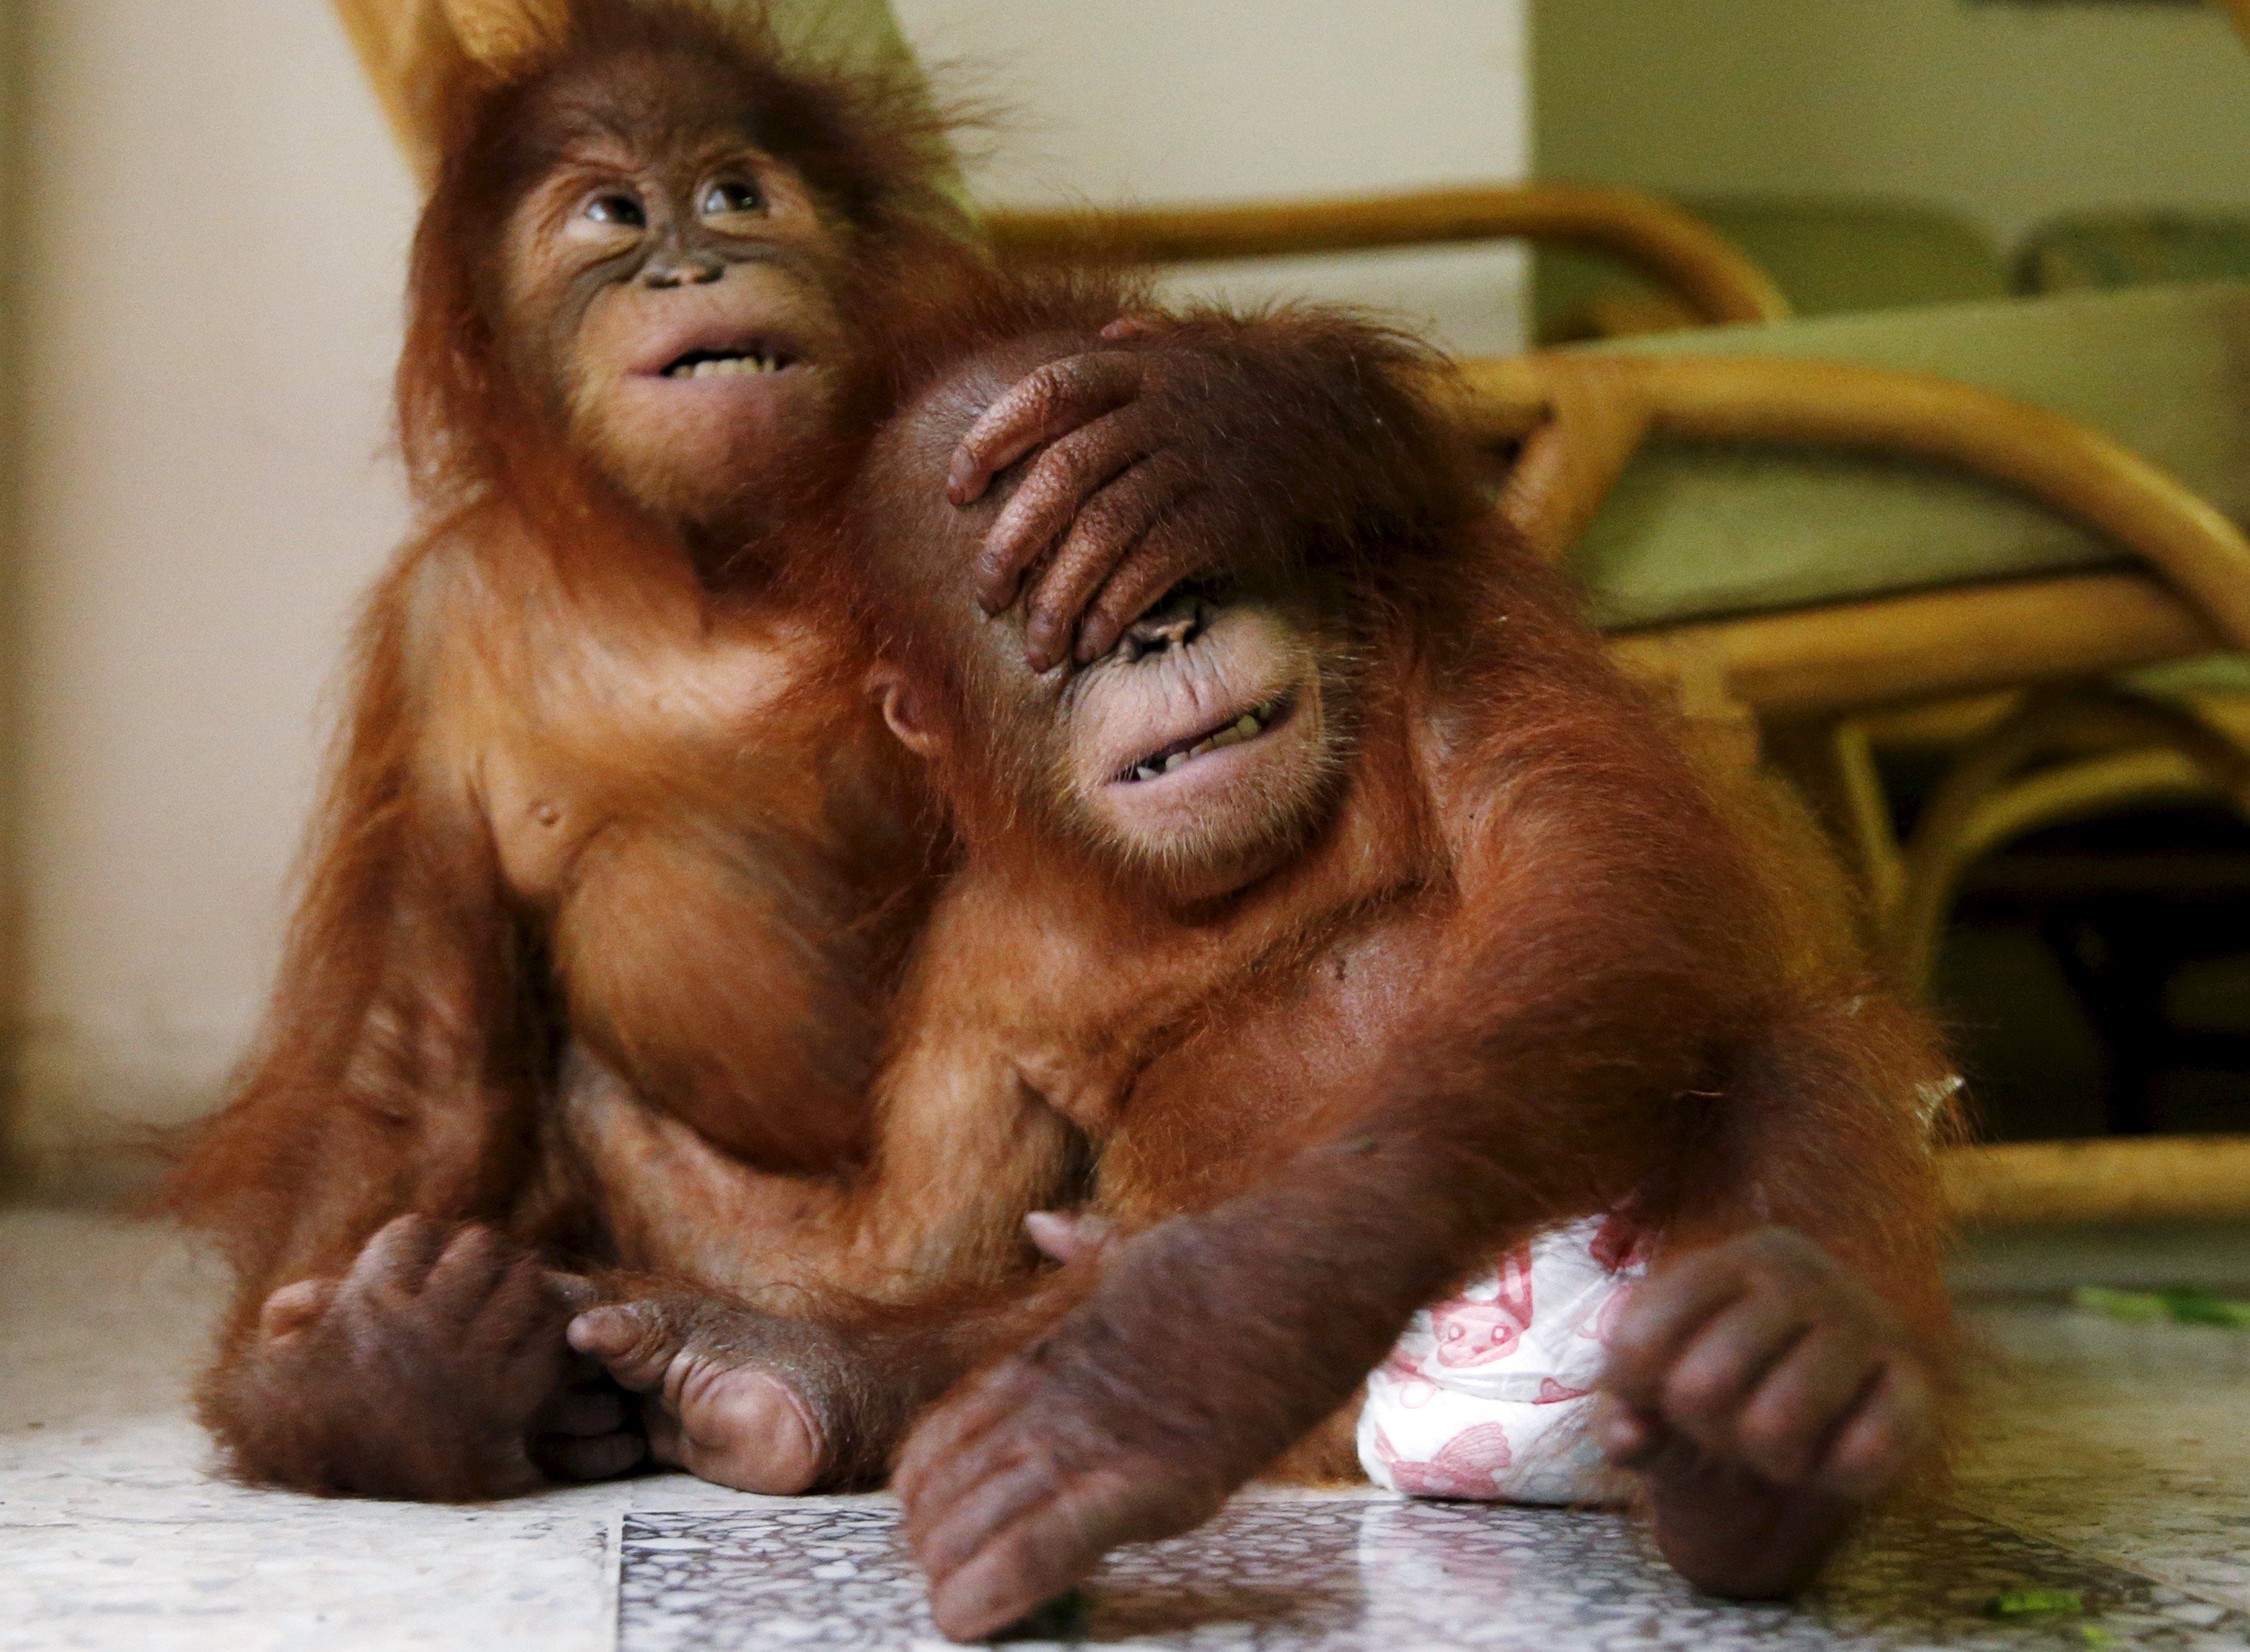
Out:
{"x": 1215, "y": 1111}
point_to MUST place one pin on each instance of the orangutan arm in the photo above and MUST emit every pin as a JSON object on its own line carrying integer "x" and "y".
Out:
{"x": 963, "y": 1151}
{"x": 383, "y": 1338}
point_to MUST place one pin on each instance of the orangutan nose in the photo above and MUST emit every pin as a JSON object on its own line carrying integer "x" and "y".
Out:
{"x": 689, "y": 269}
{"x": 1173, "y": 624}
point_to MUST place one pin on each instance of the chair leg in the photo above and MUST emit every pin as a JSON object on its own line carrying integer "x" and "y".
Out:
{"x": 2154, "y": 749}
{"x": 2006, "y": 784}
{"x": 2115, "y": 965}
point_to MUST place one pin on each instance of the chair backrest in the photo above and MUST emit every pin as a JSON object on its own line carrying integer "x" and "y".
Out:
{"x": 1677, "y": 253}
{"x": 2116, "y": 249}
{"x": 1829, "y": 255}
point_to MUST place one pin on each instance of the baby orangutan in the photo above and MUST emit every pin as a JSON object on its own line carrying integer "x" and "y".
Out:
{"x": 1353, "y": 934}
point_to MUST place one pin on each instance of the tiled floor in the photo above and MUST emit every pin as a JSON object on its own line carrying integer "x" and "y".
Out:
{"x": 2115, "y": 1461}
{"x": 1341, "y": 1573}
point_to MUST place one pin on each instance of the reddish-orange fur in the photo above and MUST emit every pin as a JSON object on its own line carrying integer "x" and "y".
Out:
{"x": 1473, "y": 688}
{"x": 609, "y": 780}
{"x": 582, "y": 792}
{"x": 1525, "y": 972}
{"x": 1528, "y": 968}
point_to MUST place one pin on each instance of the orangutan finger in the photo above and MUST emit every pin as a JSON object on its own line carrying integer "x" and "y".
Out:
{"x": 572, "y": 1292}
{"x": 1784, "y": 1426}
{"x": 468, "y": 1272}
{"x": 1028, "y": 1561}
{"x": 399, "y": 1259}
{"x": 1047, "y": 402}
{"x": 946, "y": 1537}
{"x": 1627, "y": 1436}
{"x": 939, "y": 1456}
{"x": 1047, "y": 501}
{"x": 1068, "y": 1236}
{"x": 636, "y": 1341}
{"x": 1134, "y": 326}
{"x": 1173, "y": 548}
{"x": 1892, "y": 1429}
{"x": 295, "y": 1306}
{"x": 1659, "y": 1315}
{"x": 1713, "y": 1378}
{"x": 1106, "y": 534}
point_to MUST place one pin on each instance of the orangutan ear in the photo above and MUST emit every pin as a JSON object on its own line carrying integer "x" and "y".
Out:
{"x": 503, "y": 35}
{"x": 906, "y": 711}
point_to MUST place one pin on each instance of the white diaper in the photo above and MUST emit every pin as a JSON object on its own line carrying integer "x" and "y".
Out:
{"x": 1488, "y": 1393}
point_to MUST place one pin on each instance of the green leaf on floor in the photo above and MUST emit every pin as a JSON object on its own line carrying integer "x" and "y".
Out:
{"x": 2027, "y": 1603}
{"x": 2183, "y": 1304}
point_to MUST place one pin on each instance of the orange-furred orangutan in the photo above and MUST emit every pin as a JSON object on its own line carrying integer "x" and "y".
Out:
{"x": 1346, "y": 923}
{"x": 610, "y": 781}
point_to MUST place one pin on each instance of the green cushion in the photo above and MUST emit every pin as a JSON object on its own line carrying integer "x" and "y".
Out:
{"x": 1828, "y": 256}
{"x": 1698, "y": 531}
{"x": 2132, "y": 249}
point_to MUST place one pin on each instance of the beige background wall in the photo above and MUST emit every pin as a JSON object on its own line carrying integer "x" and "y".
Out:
{"x": 2008, "y": 113}
{"x": 211, "y": 248}
{"x": 11, "y": 559}
{"x": 1179, "y": 100}
{"x": 214, "y": 228}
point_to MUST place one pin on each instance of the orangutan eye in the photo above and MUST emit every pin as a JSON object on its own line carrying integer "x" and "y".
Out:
{"x": 619, "y": 211}
{"x": 728, "y": 196}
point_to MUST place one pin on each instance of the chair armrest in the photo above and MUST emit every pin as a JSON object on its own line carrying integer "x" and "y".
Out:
{"x": 1677, "y": 251}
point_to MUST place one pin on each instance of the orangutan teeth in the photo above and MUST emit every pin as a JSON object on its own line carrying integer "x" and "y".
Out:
{"x": 1249, "y": 725}
{"x": 1234, "y": 733}
{"x": 722, "y": 367}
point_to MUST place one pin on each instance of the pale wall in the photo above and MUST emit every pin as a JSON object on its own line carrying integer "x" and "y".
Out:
{"x": 11, "y": 559}
{"x": 1180, "y": 100}
{"x": 215, "y": 226}
{"x": 2008, "y": 113}
{"x": 214, "y": 238}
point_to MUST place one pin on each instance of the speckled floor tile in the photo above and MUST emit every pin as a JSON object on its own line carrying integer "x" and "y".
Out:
{"x": 2129, "y": 1445}
{"x": 1348, "y": 1573}
{"x": 116, "y": 1537}
{"x": 2130, "y": 1441}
